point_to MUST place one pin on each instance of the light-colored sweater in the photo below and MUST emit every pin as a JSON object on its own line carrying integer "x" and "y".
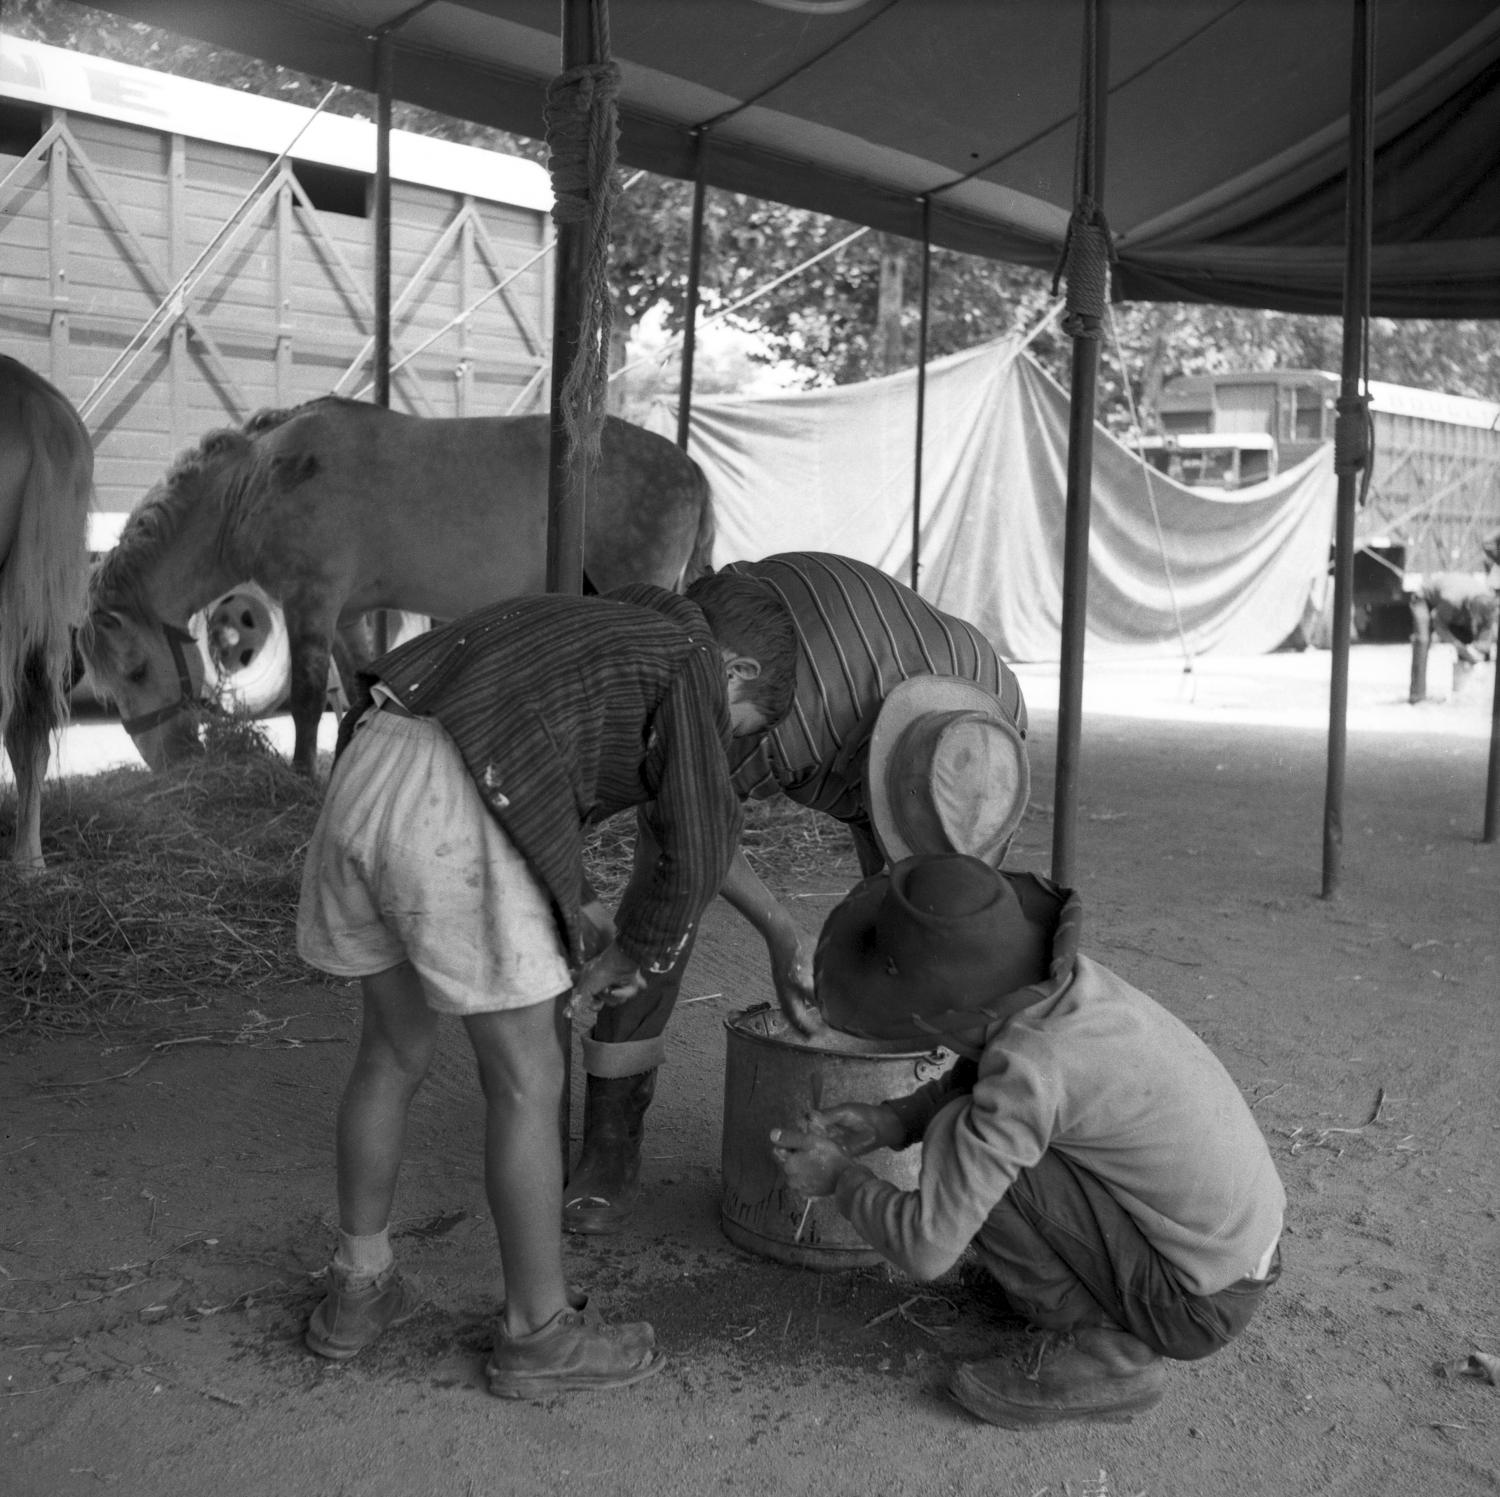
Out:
{"x": 1105, "y": 1075}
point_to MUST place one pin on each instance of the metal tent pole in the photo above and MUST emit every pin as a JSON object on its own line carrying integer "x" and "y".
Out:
{"x": 1492, "y": 773}
{"x": 916, "y": 495}
{"x": 385, "y": 70}
{"x": 566, "y": 486}
{"x": 1351, "y": 430}
{"x": 694, "y": 282}
{"x": 1087, "y": 248}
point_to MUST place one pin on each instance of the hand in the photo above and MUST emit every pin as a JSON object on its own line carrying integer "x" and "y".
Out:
{"x": 859, "y": 1127}
{"x": 607, "y": 980}
{"x": 792, "y": 973}
{"x": 811, "y": 1158}
{"x": 598, "y": 928}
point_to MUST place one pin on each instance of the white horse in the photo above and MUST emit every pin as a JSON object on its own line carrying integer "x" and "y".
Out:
{"x": 46, "y": 486}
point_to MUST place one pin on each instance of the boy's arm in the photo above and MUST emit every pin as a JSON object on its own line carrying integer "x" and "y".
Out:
{"x": 694, "y": 818}
{"x": 790, "y": 951}
{"x": 972, "y": 1151}
{"x": 917, "y": 1109}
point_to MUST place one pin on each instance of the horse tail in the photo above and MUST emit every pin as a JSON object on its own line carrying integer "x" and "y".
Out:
{"x": 43, "y": 576}
{"x": 700, "y": 560}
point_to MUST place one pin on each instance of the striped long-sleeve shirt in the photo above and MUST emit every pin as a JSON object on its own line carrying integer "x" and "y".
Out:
{"x": 859, "y": 633}
{"x": 568, "y": 710}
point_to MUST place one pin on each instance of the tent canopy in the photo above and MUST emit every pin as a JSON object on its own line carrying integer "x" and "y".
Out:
{"x": 1226, "y": 135}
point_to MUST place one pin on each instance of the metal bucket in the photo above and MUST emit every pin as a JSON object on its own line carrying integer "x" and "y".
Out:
{"x": 772, "y": 1076}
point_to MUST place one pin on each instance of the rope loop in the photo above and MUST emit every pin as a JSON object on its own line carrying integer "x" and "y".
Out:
{"x": 1087, "y": 253}
{"x": 582, "y": 137}
{"x": 580, "y": 126}
{"x": 1352, "y": 435}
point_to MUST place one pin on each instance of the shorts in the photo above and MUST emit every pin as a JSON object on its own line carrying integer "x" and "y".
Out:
{"x": 406, "y": 863}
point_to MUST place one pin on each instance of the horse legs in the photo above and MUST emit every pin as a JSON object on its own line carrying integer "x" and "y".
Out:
{"x": 311, "y": 650}
{"x": 28, "y": 742}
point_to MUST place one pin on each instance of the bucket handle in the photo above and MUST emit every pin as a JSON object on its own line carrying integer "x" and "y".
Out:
{"x": 933, "y": 1064}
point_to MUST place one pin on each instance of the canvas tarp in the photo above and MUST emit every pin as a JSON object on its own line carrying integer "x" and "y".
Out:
{"x": 1171, "y": 570}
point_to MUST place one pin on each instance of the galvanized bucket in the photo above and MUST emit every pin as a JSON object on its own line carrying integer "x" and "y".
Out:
{"x": 772, "y": 1076}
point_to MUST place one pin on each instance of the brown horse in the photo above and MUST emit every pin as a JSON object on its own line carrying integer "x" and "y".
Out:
{"x": 46, "y": 484}
{"x": 339, "y": 507}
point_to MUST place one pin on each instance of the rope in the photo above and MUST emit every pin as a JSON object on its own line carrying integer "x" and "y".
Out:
{"x": 1151, "y": 475}
{"x": 1087, "y": 248}
{"x": 1087, "y": 253}
{"x": 582, "y": 133}
{"x": 1352, "y": 434}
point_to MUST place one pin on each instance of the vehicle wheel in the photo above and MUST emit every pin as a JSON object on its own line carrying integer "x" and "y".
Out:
{"x": 247, "y": 646}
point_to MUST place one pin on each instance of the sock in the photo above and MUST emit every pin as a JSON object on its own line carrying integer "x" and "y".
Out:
{"x": 359, "y": 1261}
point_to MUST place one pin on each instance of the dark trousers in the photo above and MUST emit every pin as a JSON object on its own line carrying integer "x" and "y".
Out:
{"x": 645, "y": 1016}
{"x": 1068, "y": 1255}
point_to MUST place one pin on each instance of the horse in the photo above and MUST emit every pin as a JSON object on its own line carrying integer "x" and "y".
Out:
{"x": 46, "y": 488}
{"x": 338, "y": 507}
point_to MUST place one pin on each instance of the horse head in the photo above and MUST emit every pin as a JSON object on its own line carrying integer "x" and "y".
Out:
{"x": 154, "y": 673}
{"x": 174, "y": 555}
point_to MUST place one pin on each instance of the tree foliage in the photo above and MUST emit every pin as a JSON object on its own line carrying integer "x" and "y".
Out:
{"x": 824, "y": 321}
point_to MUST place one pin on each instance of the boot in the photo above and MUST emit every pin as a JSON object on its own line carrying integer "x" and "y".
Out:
{"x": 1097, "y": 1373}
{"x": 602, "y": 1189}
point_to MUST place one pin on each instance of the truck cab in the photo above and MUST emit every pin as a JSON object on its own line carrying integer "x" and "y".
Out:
{"x": 1220, "y": 461}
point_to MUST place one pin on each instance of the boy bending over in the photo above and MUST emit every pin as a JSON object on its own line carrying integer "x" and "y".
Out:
{"x": 445, "y": 872}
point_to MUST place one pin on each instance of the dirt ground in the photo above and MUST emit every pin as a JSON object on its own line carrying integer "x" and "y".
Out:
{"x": 168, "y": 1196}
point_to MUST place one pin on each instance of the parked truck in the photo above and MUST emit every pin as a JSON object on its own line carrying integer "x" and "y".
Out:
{"x": 1434, "y": 484}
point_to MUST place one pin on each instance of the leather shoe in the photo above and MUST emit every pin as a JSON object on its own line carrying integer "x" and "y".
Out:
{"x": 348, "y": 1320}
{"x": 1096, "y": 1373}
{"x": 571, "y": 1354}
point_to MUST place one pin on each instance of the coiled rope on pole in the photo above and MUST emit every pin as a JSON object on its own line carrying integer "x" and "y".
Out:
{"x": 582, "y": 136}
{"x": 1084, "y": 264}
{"x": 1351, "y": 434}
{"x": 1087, "y": 248}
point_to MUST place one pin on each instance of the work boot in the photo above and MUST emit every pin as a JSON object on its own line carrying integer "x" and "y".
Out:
{"x": 1096, "y": 1373}
{"x": 602, "y": 1189}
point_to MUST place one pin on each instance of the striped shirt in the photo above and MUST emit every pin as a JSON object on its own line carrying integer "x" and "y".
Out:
{"x": 859, "y": 633}
{"x": 568, "y": 710}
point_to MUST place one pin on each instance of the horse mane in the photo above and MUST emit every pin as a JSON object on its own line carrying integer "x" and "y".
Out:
{"x": 119, "y": 581}
{"x": 271, "y": 417}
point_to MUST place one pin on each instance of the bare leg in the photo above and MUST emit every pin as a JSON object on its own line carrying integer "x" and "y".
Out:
{"x": 520, "y": 1060}
{"x": 395, "y": 1050}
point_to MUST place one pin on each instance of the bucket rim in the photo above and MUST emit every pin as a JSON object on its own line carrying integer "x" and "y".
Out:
{"x": 870, "y": 1049}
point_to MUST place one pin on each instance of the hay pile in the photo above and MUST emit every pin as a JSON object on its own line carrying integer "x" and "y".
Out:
{"x": 163, "y": 890}
{"x": 785, "y": 844}
{"x": 159, "y": 889}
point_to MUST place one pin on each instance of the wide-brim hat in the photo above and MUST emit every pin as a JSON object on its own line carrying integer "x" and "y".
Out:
{"x": 938, "y": 945}
{"x": 947, "y": 771}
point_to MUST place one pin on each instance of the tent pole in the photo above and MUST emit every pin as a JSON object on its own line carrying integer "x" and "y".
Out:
{"x": 1351, "y": 429}
{"x": 578, "y": 310}
{"x": 916, "y": 498}
{"x": 566, "y": 492}
{"x": 1087, "y": 268}
{"x": 694, "y": 282}
{"x": 384, "y": 88}
{"x": 1492, "y": 773}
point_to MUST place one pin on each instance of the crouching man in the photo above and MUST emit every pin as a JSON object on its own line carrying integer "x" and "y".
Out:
{"x": 1094, "y": 1153}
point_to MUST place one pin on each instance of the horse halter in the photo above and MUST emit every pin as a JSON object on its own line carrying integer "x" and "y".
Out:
{"x": 176, "y": 639}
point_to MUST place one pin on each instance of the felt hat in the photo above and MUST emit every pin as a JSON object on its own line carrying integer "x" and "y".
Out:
{"x": 940, "y": 944}
{"x": 947, "y": 771}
